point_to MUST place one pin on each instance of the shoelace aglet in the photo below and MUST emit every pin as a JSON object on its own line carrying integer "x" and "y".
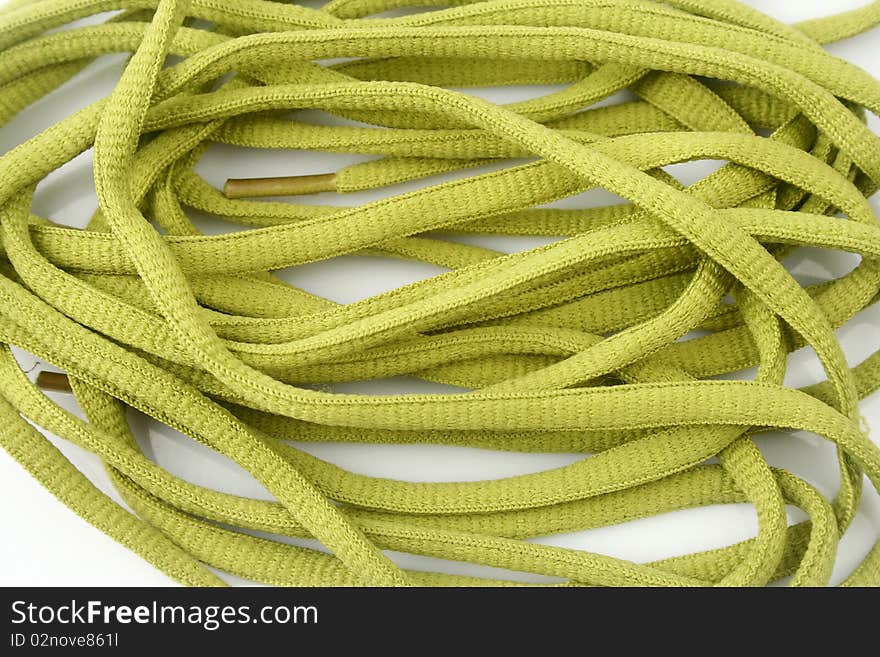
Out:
{"x": 282, "y": 186}
{"x": 54, "y": 382}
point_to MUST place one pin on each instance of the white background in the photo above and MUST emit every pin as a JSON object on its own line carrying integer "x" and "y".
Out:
{"x": 43, "y": 543}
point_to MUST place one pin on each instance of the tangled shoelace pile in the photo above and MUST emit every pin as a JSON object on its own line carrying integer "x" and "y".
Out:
{"x": 572, "y": 347}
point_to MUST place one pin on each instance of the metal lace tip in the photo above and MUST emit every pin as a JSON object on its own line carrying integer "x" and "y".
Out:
{"x": 53, "y": 382}
{"x": 236, "y": 188}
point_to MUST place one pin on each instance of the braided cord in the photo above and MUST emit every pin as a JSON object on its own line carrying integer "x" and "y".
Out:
{"x": 575, "y": 346}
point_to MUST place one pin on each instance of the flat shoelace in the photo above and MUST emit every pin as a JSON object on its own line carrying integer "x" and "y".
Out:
{"x": 571, "y": 347}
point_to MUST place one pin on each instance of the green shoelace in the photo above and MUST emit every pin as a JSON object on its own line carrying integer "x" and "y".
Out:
{"x": 571, "y": 347}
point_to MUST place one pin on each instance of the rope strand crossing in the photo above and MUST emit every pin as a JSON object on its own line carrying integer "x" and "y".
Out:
{"x": 571, "y": 347}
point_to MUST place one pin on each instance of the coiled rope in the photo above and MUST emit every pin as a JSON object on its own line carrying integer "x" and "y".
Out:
{"x": 571, "y": 347}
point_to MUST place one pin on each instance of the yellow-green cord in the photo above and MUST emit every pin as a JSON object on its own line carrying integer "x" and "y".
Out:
{"x": 574, "y": 346}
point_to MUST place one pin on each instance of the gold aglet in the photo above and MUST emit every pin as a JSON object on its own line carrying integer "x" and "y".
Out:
{"x": 284, "y": 186}
{"x": 53, "y": 382}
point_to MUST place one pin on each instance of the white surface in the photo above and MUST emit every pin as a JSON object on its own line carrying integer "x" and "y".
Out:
{"x": 46, "y": 544}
